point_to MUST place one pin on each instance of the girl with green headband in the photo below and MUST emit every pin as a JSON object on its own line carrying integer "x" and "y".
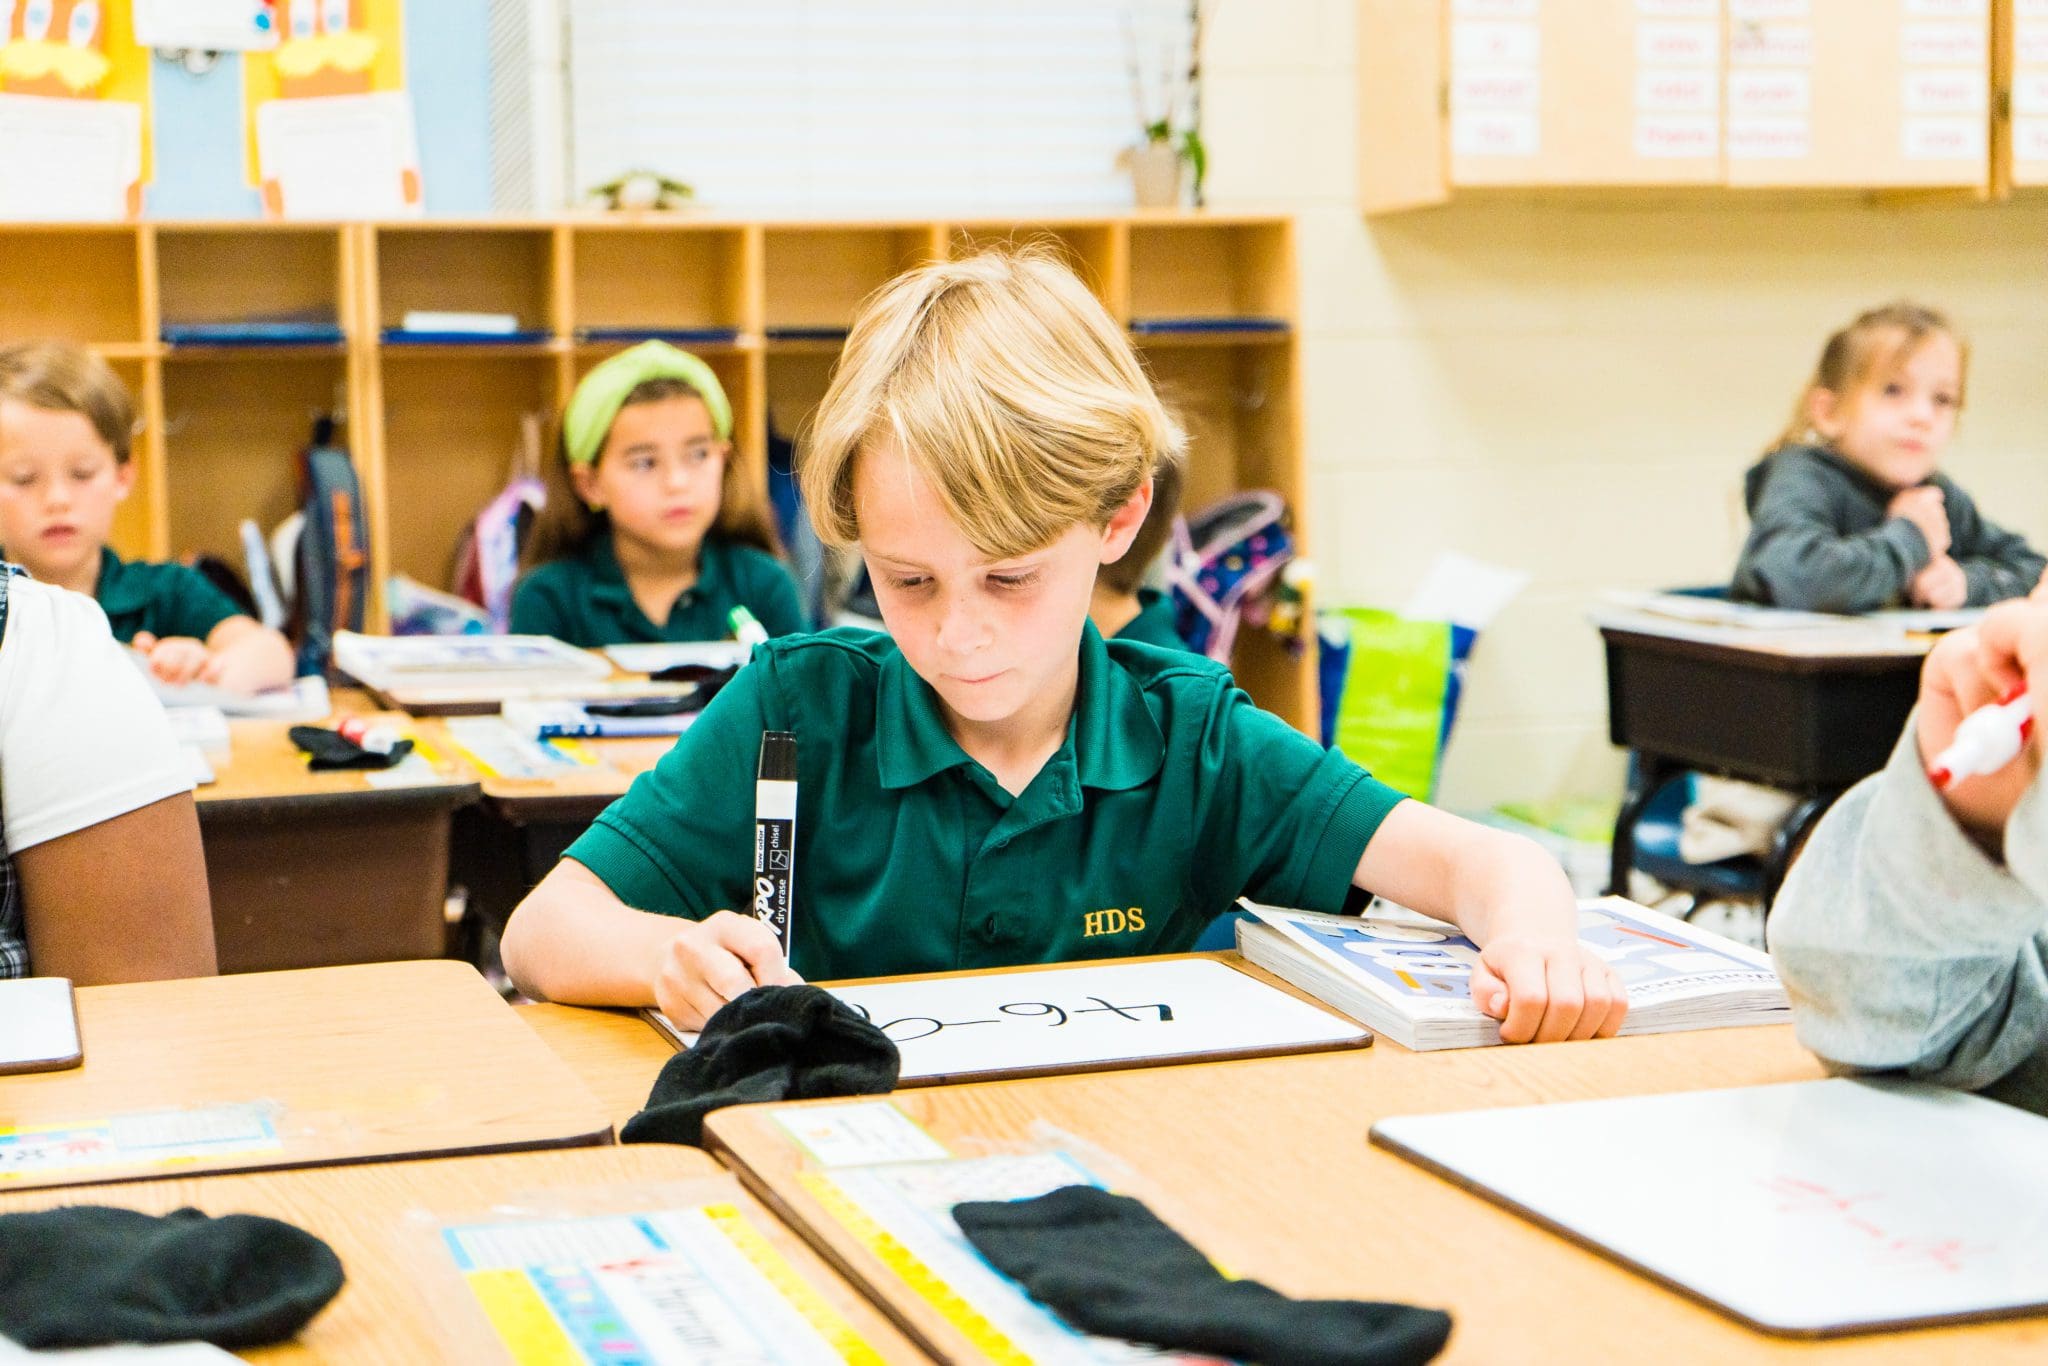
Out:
{"x": 652, "y": 532}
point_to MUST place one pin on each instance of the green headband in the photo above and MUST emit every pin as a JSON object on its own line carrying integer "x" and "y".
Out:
{"x": 602, "y": 393}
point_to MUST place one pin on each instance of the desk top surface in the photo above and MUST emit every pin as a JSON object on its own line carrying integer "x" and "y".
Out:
{"x": 295, "y": 1069}
{"x": 1805, "y": 650}
{"x": 379, "y": 1218}
{"x": 583, "y": 791}
{"x": 1266, "y": 1166}
{"x": 615, "y": 1053}
{"x": 266, "y": 766}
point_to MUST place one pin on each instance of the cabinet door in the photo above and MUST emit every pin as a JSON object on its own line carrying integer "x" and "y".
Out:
{"x": 2029, "y": 46}
{"x": 1585, "y": 92}
{"x": 1401, "y": 67}
{"x": 1877, "y": 94}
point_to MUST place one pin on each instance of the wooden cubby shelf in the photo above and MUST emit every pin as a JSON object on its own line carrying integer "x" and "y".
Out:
{"x": 434, "y": 421}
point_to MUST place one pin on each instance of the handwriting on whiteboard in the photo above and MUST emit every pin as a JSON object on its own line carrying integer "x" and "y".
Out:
{"x": 906, "y": 1028}
{"x": 1798, "y": 1195}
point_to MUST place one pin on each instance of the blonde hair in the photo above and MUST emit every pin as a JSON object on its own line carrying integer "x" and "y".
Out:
{"x": 1870, "y": 349}
{"x": 63, "y": 377}
{"x": 1006, "y": 385}
{"x": 565, "y": 524}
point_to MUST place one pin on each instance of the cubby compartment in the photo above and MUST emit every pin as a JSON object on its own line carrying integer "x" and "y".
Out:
{"x": 135, "y": 519}
{"x": 1205, "y": 282}
{"x": 79, "y": 284}
{"x": 690, "y": 285}
{"x": 1239, "y": 406}
{"x": 451, "y": 429}
{"x": 818, "y": 277}
{"x": 274, "y": 286}
{"x": 233, "y": 430}
{"x": 1095, "y": 251}
{"x": 474, "y": 268}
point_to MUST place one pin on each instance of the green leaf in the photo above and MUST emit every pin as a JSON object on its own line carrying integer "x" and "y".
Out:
{"x": 1192, "y": 147}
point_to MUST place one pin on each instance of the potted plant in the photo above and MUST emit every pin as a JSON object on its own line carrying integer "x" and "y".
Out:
{"x": 1169, "y": 118}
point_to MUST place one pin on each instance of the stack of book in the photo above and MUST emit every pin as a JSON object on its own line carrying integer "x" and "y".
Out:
{"x": 1410, "y": 977}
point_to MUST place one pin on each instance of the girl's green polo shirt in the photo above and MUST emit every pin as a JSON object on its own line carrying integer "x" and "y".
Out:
{"x": 585, "y": 601}
{"x": 162, "y": 599}
{"x": 1171, "y": 795}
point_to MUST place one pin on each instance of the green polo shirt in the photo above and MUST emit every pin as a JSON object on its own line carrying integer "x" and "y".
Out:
{"x": 162, "y": 599}
{"x": 1154, "y": 623}
{"x": 1170, "y": 796}
{"x": 584, "y": 599}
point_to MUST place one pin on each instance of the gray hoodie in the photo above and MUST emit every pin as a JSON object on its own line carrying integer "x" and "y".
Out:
{"x": 1905, "y": 947}
{"x": 1819, "y": 539}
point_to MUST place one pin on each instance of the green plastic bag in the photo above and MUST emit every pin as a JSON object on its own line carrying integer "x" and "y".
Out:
{"x": 1390, "y": 717}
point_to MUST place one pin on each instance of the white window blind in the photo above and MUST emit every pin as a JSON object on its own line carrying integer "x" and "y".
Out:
{"x": 878, "y": 105}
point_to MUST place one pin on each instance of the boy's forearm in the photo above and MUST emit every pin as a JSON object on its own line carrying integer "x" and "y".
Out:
{"x": 1486, "y": 882}
{"x": 252, "y": 653}
{"x": 1511, "y": 886}
{"x": 581, "y": 946}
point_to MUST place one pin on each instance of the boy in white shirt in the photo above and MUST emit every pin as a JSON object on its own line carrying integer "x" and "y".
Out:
{"x": 101, "y": 874}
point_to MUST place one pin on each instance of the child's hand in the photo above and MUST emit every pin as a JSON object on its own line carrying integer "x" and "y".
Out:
{"x": 1546, "y": 989}
{"x": 1973, "y": 668}
{"x": 174, "y": 659}
{"x": 235, "y": 672}
{"x": 710, "y": 961}
{"x": 1941, "y": 586}
{"x": 1925, "y": 507}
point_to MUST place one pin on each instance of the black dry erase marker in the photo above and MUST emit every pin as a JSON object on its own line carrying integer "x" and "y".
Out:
{"x": 775, "y": 834}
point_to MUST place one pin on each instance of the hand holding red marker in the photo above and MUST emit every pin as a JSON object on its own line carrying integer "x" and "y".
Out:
{"x": 1987, "y": 740}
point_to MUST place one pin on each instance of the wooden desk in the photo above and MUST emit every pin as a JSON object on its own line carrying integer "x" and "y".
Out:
{"x": 1265, "y": 1165}
{"x": 511, "y": 838}
{"x": 1794, "y": 712}
{"x": 615, "y": 1053}
{"x": 311, "y": 869}
{"x": 387, "y": 1310}
{"x": 378, "y": 1061}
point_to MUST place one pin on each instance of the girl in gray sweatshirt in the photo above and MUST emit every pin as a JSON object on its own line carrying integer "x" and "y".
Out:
{"x": 1849, "y": 512}
{"x": 1912, "y": 933}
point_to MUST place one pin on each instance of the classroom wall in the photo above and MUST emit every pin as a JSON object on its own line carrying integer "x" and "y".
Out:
{"x": 1574, "y": 384}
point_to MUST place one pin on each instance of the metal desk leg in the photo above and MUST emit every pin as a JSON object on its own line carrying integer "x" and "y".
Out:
{"x": 1648, "y": 773}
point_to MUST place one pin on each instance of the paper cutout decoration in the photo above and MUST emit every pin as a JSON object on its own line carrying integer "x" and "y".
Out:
{"x": 74, "y": 87}
{"x": 330, "y": 122}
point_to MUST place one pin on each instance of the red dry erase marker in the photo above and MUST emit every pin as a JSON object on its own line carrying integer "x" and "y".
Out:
{"x": 1988, "y": 739}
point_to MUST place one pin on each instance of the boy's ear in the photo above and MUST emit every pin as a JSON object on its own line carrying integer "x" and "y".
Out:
{"x": 583, "y": 479}
{"x": 1124, "y": 523}
{"x": 124, "y": 479}
{"x": 1824, "y": 412}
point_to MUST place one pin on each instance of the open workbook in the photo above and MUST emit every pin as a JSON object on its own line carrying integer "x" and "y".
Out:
{"x": 1410, "y": 977}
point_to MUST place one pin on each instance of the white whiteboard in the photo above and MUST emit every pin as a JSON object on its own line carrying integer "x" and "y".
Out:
{"x": 1078, "y": 1019}
{"x": 1810, "y": 1208}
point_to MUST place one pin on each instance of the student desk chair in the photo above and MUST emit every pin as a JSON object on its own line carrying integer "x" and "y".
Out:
{"x": 1809, "y": 714}
{"x": 310, "y": 869}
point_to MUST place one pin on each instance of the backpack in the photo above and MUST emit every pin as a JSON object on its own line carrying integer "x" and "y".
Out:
{"x": 487, "y": 552}
{"x": 1223, "y": 566}
{"x": 333, "y": 559}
